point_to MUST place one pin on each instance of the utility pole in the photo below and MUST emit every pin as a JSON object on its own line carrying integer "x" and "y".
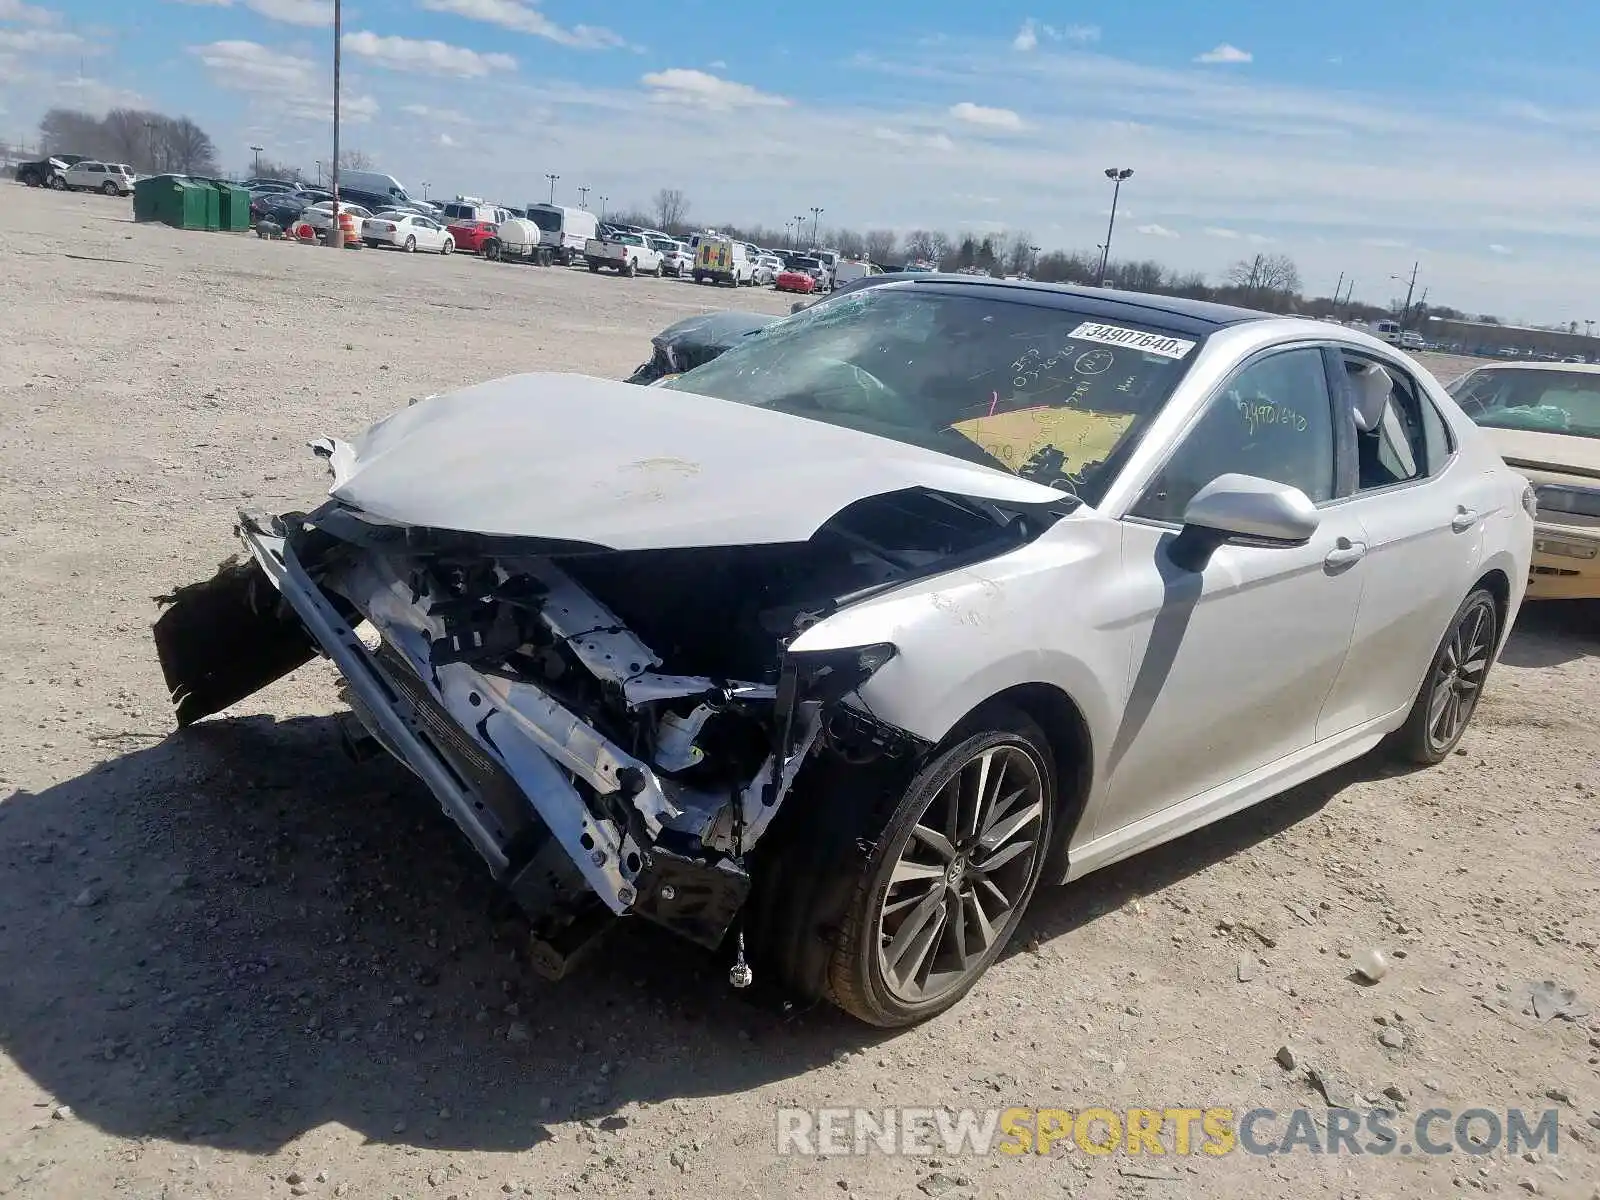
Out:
{"x": 336, "y": 233}
{"x": 816, "y": 215}
{"x": 1411, "y": 287}
{"x": 426, "y": 195}
{"x": 799, "y": 229}
{"x": 552, "y": 179}
{"x": 1116, "y": 175}
{"x": 583, "y": 197}
{"x": 1588, "y": 329}
{"x": 602, "y": 208}
{"x": 257, "y": 149}
{"x": 1337, "y": 288}
{"x": 150, "y": 138}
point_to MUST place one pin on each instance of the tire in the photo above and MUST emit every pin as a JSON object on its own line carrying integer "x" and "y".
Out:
{"x": 1454, "y": 683}
{"x": 109, "y": 188}
{"x": 831, "y": 914}
{"x": 372, "y": 243}
{"x": 630, "y": 268}
{"x": 491, "y": 249}
{"x": 594, "y": 268}
{"x": 57, "y": 183}
{"x": 411, "y": 245}
{"x": 660, "y": 270}
{"x": 449, "y": 246}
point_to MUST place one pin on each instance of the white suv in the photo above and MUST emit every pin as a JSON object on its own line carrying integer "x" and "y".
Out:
{"x": 114, "y": 179}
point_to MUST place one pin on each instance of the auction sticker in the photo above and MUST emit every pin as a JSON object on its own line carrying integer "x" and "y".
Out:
{"x": 1133, "y": 339}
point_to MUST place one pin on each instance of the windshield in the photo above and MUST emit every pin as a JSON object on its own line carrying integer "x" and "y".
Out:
{"x": 1043, "y": 392}
{"x": 1543, "y": 401}
{"x": 665, "y": 245}
{"x": 549, "y": 222}
{"x": 630, "y": 239}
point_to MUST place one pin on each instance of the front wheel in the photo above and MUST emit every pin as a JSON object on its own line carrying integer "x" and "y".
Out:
{"x": 660, "y": 270}
{"x": 1454, "y": 683}
{"x": 630, "y": 268}
{"x": 109, "y": 188}
{"x": 411, "y": 245}
{"x": 594, "y": 268}
{"x": 57, "y": 183}
{"x": 449, "y": 247}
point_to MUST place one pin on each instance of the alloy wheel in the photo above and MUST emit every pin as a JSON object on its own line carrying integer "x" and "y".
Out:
{"x": 964, "y": 869}
{"x": 1459, "y": 674}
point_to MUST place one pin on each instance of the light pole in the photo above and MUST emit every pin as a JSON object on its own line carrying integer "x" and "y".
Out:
{"x": 426, "y": 195}
{"x": 552, "y": 179}
{"x": 336, "y": 232}
{"x": 583, "y": 197}
{"x": 602, "y": 208}
{"x": 1588, "y": 329}
{"x": 319, "y": 172}
{"x": 816, "y": 214}
{"x": 1033, "y": 258}
{"x": 1411, "y": 286}
{"x": 799, "y": 229}
{"x": 150, "y": 138}
{"x": 788, "y": 233}
{"x": 1116, "y": 175}
{"x": 257, "y": 149}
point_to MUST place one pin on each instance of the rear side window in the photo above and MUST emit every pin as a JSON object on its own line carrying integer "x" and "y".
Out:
{"x": 1398, "y": 450}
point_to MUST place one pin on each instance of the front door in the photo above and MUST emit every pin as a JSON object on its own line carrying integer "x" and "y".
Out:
{"x": 1231, "y": 664}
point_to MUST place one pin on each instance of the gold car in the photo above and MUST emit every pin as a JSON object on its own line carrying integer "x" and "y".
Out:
{"x": 1544, "y": 418}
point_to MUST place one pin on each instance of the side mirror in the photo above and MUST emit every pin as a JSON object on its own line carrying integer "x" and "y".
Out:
{"x": 1243, "y": 506}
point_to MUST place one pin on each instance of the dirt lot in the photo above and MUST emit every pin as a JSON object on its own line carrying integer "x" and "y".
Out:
{"x": 236, "y": 965}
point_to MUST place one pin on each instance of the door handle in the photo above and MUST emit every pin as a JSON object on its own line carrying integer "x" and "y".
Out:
{"x": 1344, "y": 553}
{"x": 1464, "y": 519}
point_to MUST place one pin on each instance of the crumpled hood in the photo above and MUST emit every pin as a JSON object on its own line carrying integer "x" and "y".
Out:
{"x": 607, "y": 463}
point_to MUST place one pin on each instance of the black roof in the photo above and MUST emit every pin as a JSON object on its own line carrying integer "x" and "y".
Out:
{"x": 1176, "y": 312}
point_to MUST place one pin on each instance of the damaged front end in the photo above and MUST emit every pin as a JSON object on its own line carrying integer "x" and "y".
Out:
{"x": 612, "y": 730}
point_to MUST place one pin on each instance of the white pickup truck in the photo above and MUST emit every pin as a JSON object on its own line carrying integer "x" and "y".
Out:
{"x": 625, "y": 253}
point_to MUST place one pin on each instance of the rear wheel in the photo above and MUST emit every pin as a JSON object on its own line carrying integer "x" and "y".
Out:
{"x": 1454, "y": 682}
{"x": 449, "y": 246}
{"x": 594, "y": 267}
{"x": 109, "y": 188}
{"x": 411, "y": 245}
{"x": 58, "y": 183}
{"x": 660, "y": 270}
{"x": 630, "y": 268}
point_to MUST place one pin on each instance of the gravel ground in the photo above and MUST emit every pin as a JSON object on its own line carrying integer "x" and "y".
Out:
{"x": 238, "y": 966}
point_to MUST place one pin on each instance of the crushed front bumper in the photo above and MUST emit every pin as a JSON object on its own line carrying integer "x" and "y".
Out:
{"x": 506, "y": 762}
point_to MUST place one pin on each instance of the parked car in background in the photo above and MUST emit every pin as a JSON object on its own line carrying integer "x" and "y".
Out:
{"x": 471, "y": 235}
{"x": 766, "y": 269}
{"x": 320, "y": 215}
{"x": 385, "y": 190}
{"x": 1410, "y": 339}
{"x": 47, "y": 172}
{"x": 849, "y": 270}
{"x": 565, "y": 230}
{"x": 92, "y": 175}
{"x": 469, "y": 208}
{"x": 677, "y": 259}
{"x": 793, "y": 279}
{"x": 283, "y": 208}
{"x": 723, "y": 260}
{"x": 861, "y": 682}
{"x": 269, "y": 185}
{"x": 625, "y": 253}
{"x": 1545, "y": 422}
{"x": 407, "y": 231}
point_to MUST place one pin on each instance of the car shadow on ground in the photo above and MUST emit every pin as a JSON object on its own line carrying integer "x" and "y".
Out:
{"x": 1551, "y": 632}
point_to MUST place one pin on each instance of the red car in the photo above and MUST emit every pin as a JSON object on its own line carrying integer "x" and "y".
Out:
{"x": 470, "y": 235}
{"x": 796, "y": 281}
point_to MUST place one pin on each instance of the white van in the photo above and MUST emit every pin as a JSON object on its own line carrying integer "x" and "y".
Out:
{"x": 375, "y": 182}
{"x": 1387, "y": 331}
{"x": 564, "y": 230}
{"x": 466, "y": 209}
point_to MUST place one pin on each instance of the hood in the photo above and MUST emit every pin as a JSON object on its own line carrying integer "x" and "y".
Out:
{"x": 1559, "y": 453}
{"x": 611, "y": 464}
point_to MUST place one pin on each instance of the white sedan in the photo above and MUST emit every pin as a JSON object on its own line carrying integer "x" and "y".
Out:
{"x": 407, "y": 231}
{"x": 942, "y": 590}
{"x": 320, "y": 215}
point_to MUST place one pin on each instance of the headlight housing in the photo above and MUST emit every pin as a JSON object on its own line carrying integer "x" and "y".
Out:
{"x": 1569, "y": 499}
{"x": 829, "y": 675}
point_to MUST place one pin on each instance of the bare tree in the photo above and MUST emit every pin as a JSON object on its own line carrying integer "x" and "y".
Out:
{"x": 919, "y": 244}
{"x": 147, "y": 141}
{"x": 1019, "y": 253}
{"x": 67, "y": 131}
{"x": 671, "y": 207}
{"x": 270, "y": 169}
{"x": 184, "y": 147}
{"x": 880, "y": 245}
{"x": 1266, "y": 273}
{"x": 355, "y": 160}
{"x": 847, "y": 242}
{"x": 938, "y": 245}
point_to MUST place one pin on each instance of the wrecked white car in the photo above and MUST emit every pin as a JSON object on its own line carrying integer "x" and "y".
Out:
{"x": 831, "y": 649}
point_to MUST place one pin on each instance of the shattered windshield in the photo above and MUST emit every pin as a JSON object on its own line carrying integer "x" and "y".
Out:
{"x": 1043, "y": 392}
{"x": 1542, "y": 401}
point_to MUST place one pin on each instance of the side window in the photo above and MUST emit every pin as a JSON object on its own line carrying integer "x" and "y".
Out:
{"x": 1273, "y": 420}
{"x": 1396, "y": 450}
{"x": 1437, "y": 442}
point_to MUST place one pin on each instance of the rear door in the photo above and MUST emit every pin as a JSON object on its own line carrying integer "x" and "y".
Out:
{"x": 1422, "y": 511}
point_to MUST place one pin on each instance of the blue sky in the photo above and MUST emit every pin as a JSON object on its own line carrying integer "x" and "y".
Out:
{"x": 1460, "y": 135}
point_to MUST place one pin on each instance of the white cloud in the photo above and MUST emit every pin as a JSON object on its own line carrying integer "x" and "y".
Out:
{"x": 926, "y": 141}
{"x": 1497, "y": 248}
{"x": 1223, "y": 52}
{"x": 293, "y": 86}
{"x": 1160, "y": 231}
{"x": 314, "y": 13}
{"x": 446, "y": 140}
{"x": 525, "y": 18}
{"x": 95, "y": 95}
{"x": 40, "y": 41}
{"x": 441, "y": 116}
{"x": 1385, "y": 243}
{"x": 986, "y": 118}
{"x": 1029, "y": 35}
{"x": 27, "y": 14}
{"x": 718, "y": 65}
{"x": 1260, "y": 239}
{"x": 428, "y": 57}
{"x": 1217, "y": 231}
{"x": 681, "y": 85}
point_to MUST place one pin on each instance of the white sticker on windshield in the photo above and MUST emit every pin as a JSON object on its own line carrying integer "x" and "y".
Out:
{"x": 1133, "y": 339}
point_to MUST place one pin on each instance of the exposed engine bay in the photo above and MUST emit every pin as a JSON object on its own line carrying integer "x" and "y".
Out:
{"x": 614, "y": 730}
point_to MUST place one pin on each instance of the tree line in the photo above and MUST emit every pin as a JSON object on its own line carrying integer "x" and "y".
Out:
{"x": 151, "y": 143}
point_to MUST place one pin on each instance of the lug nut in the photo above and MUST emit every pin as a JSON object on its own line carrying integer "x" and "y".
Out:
{"x": 668, "y": 892}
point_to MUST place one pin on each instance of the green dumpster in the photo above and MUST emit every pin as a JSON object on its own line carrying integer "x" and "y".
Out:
{"x": 211, "y": 200}
{"x": 171, "y": 199}
{"x": 234, "y": 201}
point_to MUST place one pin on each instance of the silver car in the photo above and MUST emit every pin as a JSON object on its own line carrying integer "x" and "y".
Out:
{"x": 830, "y": 650}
